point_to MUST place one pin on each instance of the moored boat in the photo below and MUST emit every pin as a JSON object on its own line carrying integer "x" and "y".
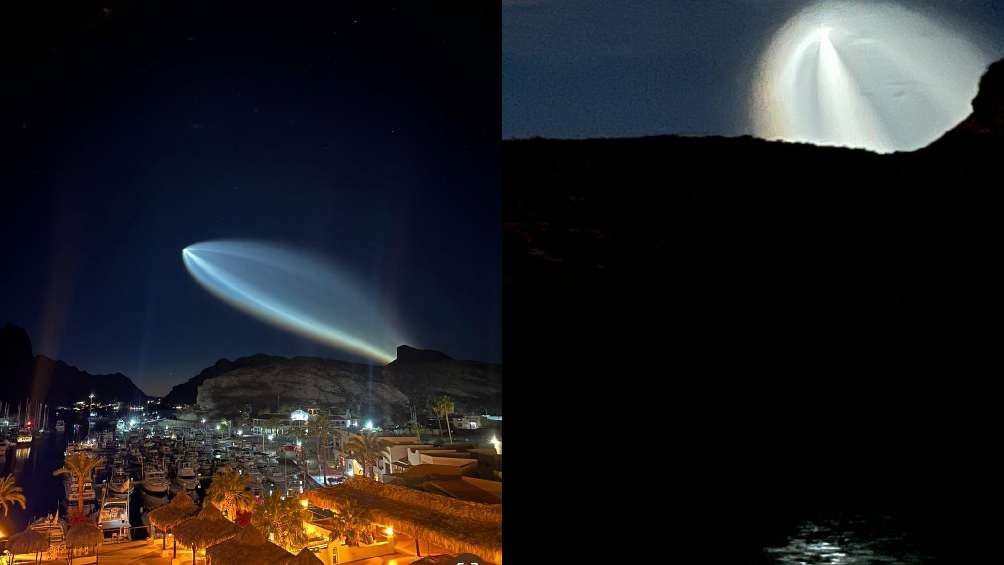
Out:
{"x": 24, "y": 436}
{"x": 113, "y": 518}
{"x": 154, "y": 481}
{"x": 186, "y": 477}
{"x": 120, "y": 483}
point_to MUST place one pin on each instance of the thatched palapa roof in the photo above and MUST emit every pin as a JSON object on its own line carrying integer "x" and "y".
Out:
{"x": 169, "y": 515}
{"x": 28, "y": 541}
{"x": 456, "y": 525}
{"x": 249, "y": 547}
{"x": 448, "y": 559}
{"x": 305, "y": 557}
{"x": 207, "y": 528}
{"x": 84, "y": 535}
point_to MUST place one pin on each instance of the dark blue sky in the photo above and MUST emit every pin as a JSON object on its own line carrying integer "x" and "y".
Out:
{"x": 368, "y": 137}
{"x": 592, "y": 68}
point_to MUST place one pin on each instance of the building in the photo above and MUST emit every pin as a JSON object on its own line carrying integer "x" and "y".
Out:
{"x": 299, "y": 417}
{"x": 344, "y": 420}
{"x": 395, "y": 459}
{"x": 435, "y": 523}
{"x": 466, "y": 422}
{"x": 455, "y": 456}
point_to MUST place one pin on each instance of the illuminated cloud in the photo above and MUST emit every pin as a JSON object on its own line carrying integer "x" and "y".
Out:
{"x": 297, "y": 292}
{"x": 871, "y": 75}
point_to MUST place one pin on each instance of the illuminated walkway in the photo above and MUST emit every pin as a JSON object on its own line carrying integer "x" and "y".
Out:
{"x": 116, "y": 554}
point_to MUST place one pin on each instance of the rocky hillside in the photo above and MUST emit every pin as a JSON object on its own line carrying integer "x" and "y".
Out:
{"x": 683, "y": 230}
{"x": 281, "y": 384}
{"x": 759, "y": 300}
{"x": 23, "y": 374}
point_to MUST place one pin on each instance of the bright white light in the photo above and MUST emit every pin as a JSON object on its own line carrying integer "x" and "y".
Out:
{"x": 217, "y": 426}
{"x": 369, "y": 425}
{"x": 297, "y": 292}
{"x": 270, "y": 437}
{"x": 240, "y": 432}
{"x": 878, "y": 76}
{"x": 203, "y": 420}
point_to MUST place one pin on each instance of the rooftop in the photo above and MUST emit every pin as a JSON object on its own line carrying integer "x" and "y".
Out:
{"x": 458, "y": 488}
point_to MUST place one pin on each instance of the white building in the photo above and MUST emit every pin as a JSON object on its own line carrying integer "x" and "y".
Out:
{"x": 395, "y": 458}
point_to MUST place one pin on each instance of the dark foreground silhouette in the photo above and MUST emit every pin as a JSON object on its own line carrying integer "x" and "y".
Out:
{"x": 774, "y": 318}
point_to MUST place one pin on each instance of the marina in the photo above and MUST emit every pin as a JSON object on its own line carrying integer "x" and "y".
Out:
{"x": 142, "y": 467}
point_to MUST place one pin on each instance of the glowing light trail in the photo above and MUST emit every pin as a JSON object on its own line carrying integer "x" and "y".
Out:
{"x": 296, "y": 292}
{"x": 870, "y": 75}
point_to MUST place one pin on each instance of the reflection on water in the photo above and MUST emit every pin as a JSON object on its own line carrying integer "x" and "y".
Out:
{"x": 32, "y": 466}
{"x": 853, "y": 541}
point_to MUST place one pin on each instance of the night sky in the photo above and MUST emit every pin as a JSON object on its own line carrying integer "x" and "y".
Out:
{"x": 131, "y": 130}
{"x": 586, "y": 68}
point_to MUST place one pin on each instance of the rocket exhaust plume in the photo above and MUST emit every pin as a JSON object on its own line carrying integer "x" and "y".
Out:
{"x": 871, "y": 75}
{"x": 296, "y": 291}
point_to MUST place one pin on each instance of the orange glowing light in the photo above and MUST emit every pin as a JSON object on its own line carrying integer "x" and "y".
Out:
{"x": 389, "y": 531}
{"x": 303, "y": 502}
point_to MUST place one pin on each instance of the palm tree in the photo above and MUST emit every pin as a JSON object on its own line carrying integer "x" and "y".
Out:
{"x": 229, "y": 492}
{"x": 417, "y": 428}
{"x": 320, "y": 427}
{"x": 351, "y": 524}
{"x": 281, "y": 518}
{"x": 367, "y": 448}
{"x": 435, "y": 410}
{"x": 79, "y": 466}
{"x": 10, "y": 494}
{"x": 443, "y": 407}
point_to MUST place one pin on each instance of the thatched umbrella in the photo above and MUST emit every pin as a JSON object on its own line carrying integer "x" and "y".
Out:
{"x": 249, "y": 547}
{"x": 207, "y": 528}
{"x": 448, "y": 559}
{"x": 456, "y": 525}
{"x": 170, "y": 515}
{"x": 84, "y": 536}
{"x": 28, "y": 541}
{"x": 305, "y": 557}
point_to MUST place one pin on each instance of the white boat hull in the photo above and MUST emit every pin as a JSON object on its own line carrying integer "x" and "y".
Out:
{"x": 156, "y": 488}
